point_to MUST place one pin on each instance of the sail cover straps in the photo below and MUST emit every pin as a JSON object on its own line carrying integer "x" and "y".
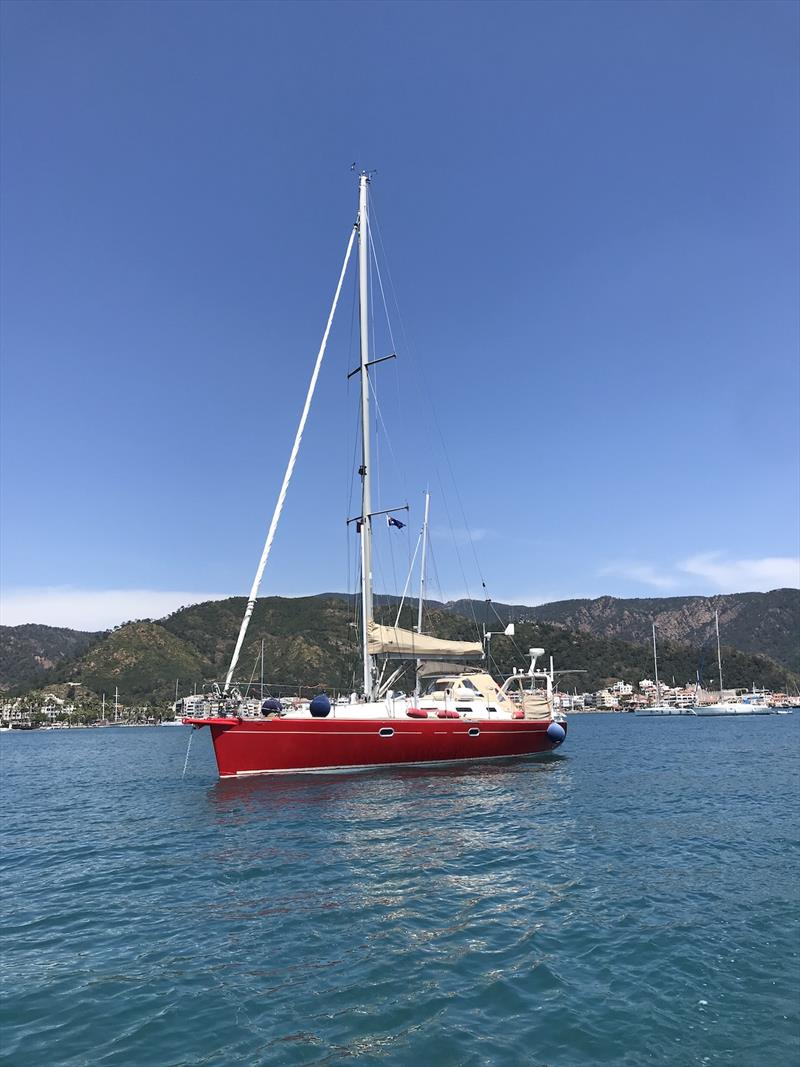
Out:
{"x": 406, "y": 644}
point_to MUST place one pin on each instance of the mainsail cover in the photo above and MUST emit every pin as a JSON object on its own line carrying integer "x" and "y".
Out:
{"x": 396, "y": 643}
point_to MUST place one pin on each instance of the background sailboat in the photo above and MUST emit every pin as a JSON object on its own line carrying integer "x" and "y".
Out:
{"x": 658, "y": 708}
{"x": 728, "y": 707}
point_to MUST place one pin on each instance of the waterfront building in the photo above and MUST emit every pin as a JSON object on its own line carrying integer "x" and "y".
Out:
{"x": 568, "y": 702}
{"x": 13, "y": 711}
{"x": 685, "y": 698}
{"x": 196, "y": 706}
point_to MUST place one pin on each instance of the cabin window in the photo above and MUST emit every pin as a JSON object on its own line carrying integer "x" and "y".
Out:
{"x": 474, "y": 731}
{"x": 386, "y": 731}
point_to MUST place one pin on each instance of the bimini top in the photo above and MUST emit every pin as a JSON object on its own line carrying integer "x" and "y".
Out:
{"x": 396, "y": 643}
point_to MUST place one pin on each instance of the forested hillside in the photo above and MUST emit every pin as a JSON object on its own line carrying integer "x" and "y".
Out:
{"x": 312, "y": 642}
{"x": 30, "y": 653}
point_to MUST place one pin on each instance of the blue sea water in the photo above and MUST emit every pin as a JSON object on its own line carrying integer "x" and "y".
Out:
{"x": 632, "y": 900}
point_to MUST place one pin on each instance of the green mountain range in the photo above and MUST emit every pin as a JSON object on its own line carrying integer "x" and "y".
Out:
{"x": 312, "y": 642}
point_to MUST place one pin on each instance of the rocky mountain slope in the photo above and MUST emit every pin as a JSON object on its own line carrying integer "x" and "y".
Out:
{"x": 767, "y": 624}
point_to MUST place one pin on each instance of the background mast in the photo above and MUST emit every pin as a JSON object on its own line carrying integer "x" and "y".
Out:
{"x": 422, "y": 561}
{"x": 422, "y": 583}
{"x": 655, "y": 666}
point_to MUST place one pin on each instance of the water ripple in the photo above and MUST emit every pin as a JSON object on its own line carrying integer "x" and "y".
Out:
{"x": 631, "y": 901}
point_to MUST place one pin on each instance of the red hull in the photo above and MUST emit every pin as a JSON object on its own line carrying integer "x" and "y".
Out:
{"x": 253, "y": 746}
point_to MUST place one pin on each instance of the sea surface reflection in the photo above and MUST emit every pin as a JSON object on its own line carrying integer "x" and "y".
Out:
{"x": 631, "y": 900}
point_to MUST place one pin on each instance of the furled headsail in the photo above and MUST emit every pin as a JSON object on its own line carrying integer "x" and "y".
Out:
{"x": 396, "y": 643}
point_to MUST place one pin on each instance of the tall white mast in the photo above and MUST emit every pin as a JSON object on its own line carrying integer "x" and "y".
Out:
{"x": 364, "y": 471}
{"x": 422, "y": 561}
{"x": 655, "y": 665}
{"x": 719, "y": 654}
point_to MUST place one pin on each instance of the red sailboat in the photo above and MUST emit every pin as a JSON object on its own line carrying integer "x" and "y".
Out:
{"x": 457, "y": 713}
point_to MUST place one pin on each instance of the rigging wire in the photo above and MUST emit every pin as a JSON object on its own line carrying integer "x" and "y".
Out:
{"x": 458, "y": 554}
{"x": 391, "y": 336}
{"x": 382, "y": 421}
{"x": 384, "y": 439}
{"x": 356, "y": 618}
{"x": 352, "y": 472}
{"x": 424, "y": 390}
{"x": 188, "y": 747}
{"x": 435, "y": 569}
{"x": 252, "y": 676}
{"x": 287, "y": 477}
{"x": 504, "y": 623}
{"x": 351, "y": 546}
{"x": 352, "y": 543}
{"x": 398, "y": 468}
{"x": 408, "y": 581}
{"x": 380, "y": 284}
{"x": 372, "y": 386}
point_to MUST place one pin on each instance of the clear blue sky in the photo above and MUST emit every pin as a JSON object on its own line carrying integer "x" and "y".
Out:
{"x": 590, "y": 213}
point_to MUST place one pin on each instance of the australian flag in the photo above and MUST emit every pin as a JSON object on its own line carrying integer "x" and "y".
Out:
{"x": 392, "y": 521}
